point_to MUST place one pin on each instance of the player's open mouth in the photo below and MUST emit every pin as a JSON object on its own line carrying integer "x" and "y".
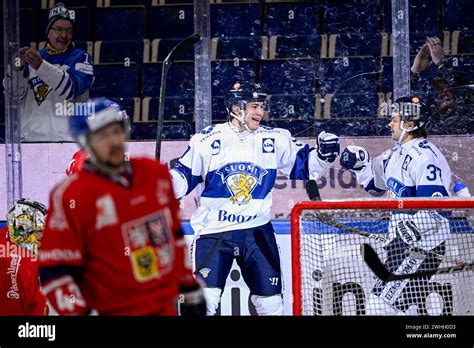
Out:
{"x": 256, "y": 119}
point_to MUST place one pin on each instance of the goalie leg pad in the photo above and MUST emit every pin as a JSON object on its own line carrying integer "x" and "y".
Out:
{"x": 268, "y": 305}
{"x": 213, "y": 298}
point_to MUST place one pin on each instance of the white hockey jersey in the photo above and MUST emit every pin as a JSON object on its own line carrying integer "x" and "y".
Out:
{"x": 238, "y": 171}
{"x": 416, "y": 168}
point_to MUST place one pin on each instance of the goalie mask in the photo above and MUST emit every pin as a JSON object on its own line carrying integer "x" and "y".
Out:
{"x": 26, "y": 221}
{"x": 240, "y": 94}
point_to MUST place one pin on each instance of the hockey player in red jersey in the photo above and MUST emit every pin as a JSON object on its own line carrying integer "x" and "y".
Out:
{"x": 19, "y": 241}
{"x": 113, "y": 240}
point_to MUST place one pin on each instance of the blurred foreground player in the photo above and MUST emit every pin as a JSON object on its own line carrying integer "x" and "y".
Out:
{"x": 414, "y": 167}
{"x": 113, "y": 240}
{"x": 19, "y": 242}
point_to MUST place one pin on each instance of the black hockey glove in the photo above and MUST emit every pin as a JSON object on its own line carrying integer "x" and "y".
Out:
{"x": 192, "y": 301}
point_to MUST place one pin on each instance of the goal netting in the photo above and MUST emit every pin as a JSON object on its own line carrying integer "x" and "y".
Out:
{"x": 330, "y": 276}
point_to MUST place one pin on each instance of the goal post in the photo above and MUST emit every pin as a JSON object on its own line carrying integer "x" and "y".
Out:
{"x": 330, "y": 277}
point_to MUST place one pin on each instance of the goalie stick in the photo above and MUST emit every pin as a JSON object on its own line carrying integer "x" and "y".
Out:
{"x": 191, "y": 39}
{"x": 374, "y": 263}
{"x": 313, "y": 194}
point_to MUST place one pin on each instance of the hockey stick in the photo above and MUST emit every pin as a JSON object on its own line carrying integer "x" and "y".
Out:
{"x": 374, "y": 263}
{"x": 313, "y": 194}
{"x": 192, "y": 39}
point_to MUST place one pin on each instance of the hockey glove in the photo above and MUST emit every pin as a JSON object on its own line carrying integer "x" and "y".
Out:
{"x": 354, "y": 158}
{"x": 328, "y": 147}
{"x": 192, "y": 301}
{"x": 65, "y": 296}
{"x": 408, "y": 231}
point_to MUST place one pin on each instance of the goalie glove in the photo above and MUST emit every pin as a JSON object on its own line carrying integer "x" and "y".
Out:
{"x": 192, "y": 301}
{"x": 328, "y": 147}
{"x": 408, "y": 231}
{"x": 354, "y": 158}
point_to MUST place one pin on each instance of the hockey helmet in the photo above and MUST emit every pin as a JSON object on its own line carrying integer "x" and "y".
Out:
{"x": 98, "y": 113}
{"x": 243, "y": 92}
{"x": 25, "y": 222}
{"x": 412, "y": 109}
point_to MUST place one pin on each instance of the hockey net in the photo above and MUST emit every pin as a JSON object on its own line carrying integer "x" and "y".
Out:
{"x": 329, "y": 276}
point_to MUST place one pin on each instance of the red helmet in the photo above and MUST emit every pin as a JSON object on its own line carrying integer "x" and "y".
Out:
{"x": 77, "y": 162}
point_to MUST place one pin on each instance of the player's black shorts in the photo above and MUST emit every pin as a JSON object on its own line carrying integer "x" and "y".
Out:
{"x": 256, "y": 252}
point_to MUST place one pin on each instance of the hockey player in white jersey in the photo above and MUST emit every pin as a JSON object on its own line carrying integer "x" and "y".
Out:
{"x": 238, "y": 162}
{"x": 414, "y": 167}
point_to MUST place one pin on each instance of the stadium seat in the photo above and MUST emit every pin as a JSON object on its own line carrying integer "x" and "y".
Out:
{"x": 28, "y": 26}
{"x": 302, "y": 46}
{"x": 219, "y": 110}
{"x": 34, "y": 4}
{"x": 108, "y": 3}
{"x": 387, "y": 74}
{"x": 356, "y": 105}
{"x": 353, "y": 126}
{"x": 423, "y": 16}
{"x": 355, "y": 44}
{"x": 131, "y": 105}
{"x": 234, "y": 20}
{"x": 458, "y": 15}
{"x": 137, "y": 51}
{"x": 175, "y": 2}
{"x": 171, "y": 131}
{"x": 238, "y": 47}
{"x": 180, "y": 81}
{"x": 347, "y": 75}
{"x": 120, "y": 23}
{"x": 359, "y": 16}
{"x": 298, "y": 128}
{"x": 462, "y": 42}
{"x": 289, "y": 19}
{"x": 69, "y": 3}
{"x": 288, "y": 76}
{"x": 82, "y": 25}
{"x": 115, "y": 80}
{"x": 226, "y": 72}
{"x": 301, "y": 107}
{"x": 173, "y": 21}
{"x": 87, "y": 46}
{"x": 176, "y": 109}
{"x": 160, "y": 48}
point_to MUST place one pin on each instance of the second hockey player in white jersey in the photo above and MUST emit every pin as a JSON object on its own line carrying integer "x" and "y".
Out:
{"x": 238, "y": 163}
{"x": 414, "y": 167}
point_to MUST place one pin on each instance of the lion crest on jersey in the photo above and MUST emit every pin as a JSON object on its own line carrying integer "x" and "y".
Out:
{"x": 241, "y": 179}
{"x": 40, "y": 89}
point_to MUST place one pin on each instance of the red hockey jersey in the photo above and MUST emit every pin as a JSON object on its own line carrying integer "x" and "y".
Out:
{"x": 125, "y": 239}
{"x": 19, "y": 281}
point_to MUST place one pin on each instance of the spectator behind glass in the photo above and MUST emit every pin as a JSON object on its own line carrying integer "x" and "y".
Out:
{"x": 54, "y": 80}
{"x": 452, "y": 104}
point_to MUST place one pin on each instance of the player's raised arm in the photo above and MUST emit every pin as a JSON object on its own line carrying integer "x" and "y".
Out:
{"x": 369, "y": 173}
{"x": 299, "y": 161}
